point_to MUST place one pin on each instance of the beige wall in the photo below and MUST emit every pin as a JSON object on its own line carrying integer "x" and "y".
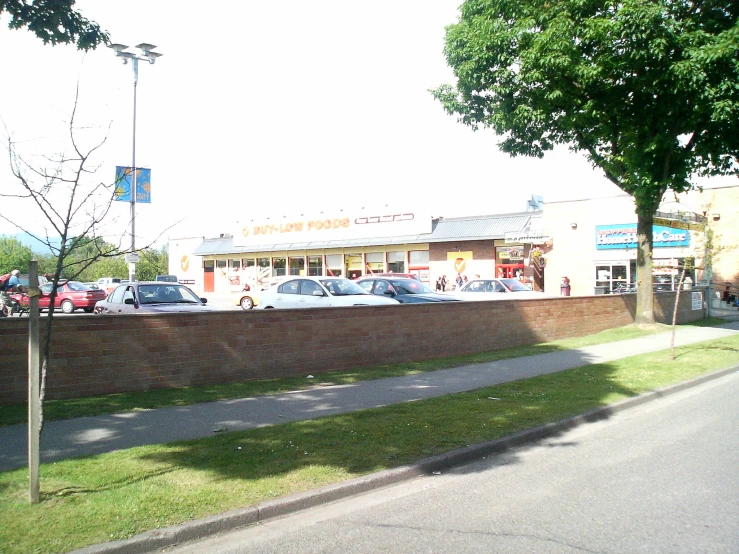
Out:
{"x": 574, "y": 253}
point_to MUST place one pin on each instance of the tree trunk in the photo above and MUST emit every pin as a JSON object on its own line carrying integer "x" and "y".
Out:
{"x": 644, "y": 288}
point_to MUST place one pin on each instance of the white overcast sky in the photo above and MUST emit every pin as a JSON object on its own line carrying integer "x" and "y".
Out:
{"x": 263, "y": 109}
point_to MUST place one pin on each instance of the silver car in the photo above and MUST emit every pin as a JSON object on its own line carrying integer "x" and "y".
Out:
{"x": 319, "y": 292}
{"x": 152, "y": 297}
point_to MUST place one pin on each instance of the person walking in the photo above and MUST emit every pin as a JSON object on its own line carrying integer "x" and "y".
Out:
{"x": 438, "y": 284}
{"x": 15, "y": 281}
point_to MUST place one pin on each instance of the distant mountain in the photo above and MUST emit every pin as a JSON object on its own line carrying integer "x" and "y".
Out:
{"x": 36, "y": 246}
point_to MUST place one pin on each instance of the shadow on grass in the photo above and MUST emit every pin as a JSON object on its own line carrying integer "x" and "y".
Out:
{"x": 374, "y": 439}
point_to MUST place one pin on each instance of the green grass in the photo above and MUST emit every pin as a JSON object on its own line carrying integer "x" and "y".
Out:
{"x": 117, "y": 495}
{"x": 126, "y": 402}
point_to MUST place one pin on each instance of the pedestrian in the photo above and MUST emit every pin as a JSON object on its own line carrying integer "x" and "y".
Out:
{"x": 15, "y": 281}
{"x": 464, "y": 278}
{"x": 443, "y": 282}
{"x": 459, "y": 280}
{"x": 438, "y": 284}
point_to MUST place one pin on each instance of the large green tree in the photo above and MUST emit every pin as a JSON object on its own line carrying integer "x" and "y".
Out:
{"x": 54, "y": 22}
{"x": 13, "y": 255}
{"x": 647, "y": 89}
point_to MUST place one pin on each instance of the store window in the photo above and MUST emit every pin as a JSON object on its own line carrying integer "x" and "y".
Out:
{"x": 279, "y": 267}
{"x": 609, "y": 277}
{"x": 297, "y": 266}
{"x": 315, "y": 266}
{"x": 263, "y": 272}
{"x": 234, "y": 265}
{"x": 354, "y": 266}
{"x": 250, "y": 270}
{"x": 334, "y": 265}
{"x": 375, "y": 262}
{"x": 418, "y": 264}
{"x": 396, "y": 262}
{"x": 221, "y": 264}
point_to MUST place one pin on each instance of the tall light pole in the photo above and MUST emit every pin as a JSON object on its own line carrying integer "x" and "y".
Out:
{"x": 145, "y": 53}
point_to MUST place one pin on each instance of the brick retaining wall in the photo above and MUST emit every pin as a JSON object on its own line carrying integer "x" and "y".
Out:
{"x": 93, "y": 355}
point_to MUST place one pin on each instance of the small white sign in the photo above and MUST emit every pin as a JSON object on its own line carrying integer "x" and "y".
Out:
{"x": 133, "y": 258}
{"x": 696, "y": 299}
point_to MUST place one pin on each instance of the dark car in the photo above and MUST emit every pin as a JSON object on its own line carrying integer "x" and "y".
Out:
{"x": 70, "y": 296}
{"x": 152, "y": 297}
{"x": 403, "y": 289}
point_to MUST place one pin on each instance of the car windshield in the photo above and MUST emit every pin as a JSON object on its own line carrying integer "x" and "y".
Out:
{"x": 514, "y": 285}
{"x": 342, "y": 287}
{"x": 166, "y": 294}
{"x": 410, "y": 286}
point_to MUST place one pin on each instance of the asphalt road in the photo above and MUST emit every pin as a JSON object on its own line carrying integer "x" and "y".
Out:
{"x": 662, "y": 477}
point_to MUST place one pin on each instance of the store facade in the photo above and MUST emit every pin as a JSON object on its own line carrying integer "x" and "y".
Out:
{"x": 355, "y": 245}
{"x": 594, "y": 244}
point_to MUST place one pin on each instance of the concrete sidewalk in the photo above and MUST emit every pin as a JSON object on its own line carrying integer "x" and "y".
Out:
{"x": 94, "y": 435}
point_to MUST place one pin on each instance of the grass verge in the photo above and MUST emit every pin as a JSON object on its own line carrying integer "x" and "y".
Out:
{"x": 116, "y": 495}
{"x": 183, "y": 396}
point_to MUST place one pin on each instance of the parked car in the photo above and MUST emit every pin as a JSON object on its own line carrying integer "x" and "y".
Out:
{"x": 93, "y": 286}
{"x": 403, "y": 289}
{"x": 167, "y": 278}
{"x": 319, "y": 292}
{"x": 70, "y": 296}
{"x": 496, "y": 289}
{"x": 152, "y": 297}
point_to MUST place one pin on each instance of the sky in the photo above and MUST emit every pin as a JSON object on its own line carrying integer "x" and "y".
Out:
{"x": 263, "y": 109}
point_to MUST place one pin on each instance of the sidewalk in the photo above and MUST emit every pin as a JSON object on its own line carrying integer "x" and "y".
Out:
{"x": 95, "y": 435}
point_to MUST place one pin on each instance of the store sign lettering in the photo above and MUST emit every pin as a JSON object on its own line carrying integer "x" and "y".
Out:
{"x": 625, "y": 236}
{"x": 296, "y": 227}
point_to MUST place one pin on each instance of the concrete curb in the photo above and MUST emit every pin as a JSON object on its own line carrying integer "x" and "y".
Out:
{"x": 201, "y": 528}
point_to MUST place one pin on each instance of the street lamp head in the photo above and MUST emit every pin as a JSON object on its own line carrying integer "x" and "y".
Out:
{"x": 117, "y": 47}
{"x": 152, "y": 56}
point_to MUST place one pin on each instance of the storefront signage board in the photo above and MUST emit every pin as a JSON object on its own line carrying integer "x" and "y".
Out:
{"x": 696, "y": 301}
{"x": 675, "y": 224}
{"x": 527, "y": 237}
{"x": 340, "y": 225}
{"x": 624, "y": 236}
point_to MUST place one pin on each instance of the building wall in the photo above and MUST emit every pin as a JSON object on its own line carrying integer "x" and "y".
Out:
{"x": 572, "y": 224}
{"x": 94, "y": 355}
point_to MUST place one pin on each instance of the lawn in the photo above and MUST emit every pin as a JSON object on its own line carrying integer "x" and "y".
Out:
{"x": 117, "y": 495}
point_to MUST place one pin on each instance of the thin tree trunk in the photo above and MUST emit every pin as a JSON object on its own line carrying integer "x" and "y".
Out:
{"x": 674, "y": 313}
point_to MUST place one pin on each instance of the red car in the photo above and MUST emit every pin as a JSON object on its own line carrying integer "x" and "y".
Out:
{"x": 70, "y": 296}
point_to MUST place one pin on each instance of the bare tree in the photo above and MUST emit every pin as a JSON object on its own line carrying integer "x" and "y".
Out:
{"x": 73, "y": 206}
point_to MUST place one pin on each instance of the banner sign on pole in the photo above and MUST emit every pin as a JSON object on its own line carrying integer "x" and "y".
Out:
{"x": 123, "y": 177}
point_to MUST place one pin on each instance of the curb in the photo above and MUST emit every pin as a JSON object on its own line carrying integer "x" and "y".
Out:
{"x": 170, "y": 536}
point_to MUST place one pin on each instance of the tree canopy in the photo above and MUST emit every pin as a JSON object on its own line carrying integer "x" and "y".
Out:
{"x": 54, "y": 22}
{"x": 647, "y": 89}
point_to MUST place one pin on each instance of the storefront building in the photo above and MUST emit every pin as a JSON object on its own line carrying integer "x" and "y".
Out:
{"x": 354, "y": 245}
{"x": 589, "y": 242}
{"x": 594, "y": 243}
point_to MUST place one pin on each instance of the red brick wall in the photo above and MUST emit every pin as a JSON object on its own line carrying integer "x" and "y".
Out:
{"x": 93, "y": 355}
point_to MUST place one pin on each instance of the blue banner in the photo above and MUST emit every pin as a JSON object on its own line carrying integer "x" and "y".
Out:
{"x": 123, "y": 177}
{"x": 624, "y": 236}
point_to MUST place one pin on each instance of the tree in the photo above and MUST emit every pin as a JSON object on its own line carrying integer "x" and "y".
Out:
{"x": 153, "y": 262}
{"x": 54, "y": 22}
{"x": 13, "y": 255}
{"x": 647, "y": 89}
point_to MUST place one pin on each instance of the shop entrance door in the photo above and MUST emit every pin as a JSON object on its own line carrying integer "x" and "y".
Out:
{"x": 508, "y": 271}
{"x": 209, "y": 276}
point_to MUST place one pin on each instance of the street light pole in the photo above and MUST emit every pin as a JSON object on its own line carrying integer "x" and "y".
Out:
{"x": 147, "y": 54}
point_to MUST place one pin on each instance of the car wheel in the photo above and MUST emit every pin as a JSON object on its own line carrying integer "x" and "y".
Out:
{"x": 67, "y": 307}
{"x": 247, "y": 303}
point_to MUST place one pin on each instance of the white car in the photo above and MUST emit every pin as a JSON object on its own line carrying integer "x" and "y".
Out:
{"x": 319, "y": 292}
{"x": 496, "y": 289}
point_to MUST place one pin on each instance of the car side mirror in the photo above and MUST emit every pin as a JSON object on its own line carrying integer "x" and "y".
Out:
{"x": 129, "y": 301}
{"x": 317, "y": 293}
{"x": 204, "y": 300}
{"x": 389, "y": 292}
